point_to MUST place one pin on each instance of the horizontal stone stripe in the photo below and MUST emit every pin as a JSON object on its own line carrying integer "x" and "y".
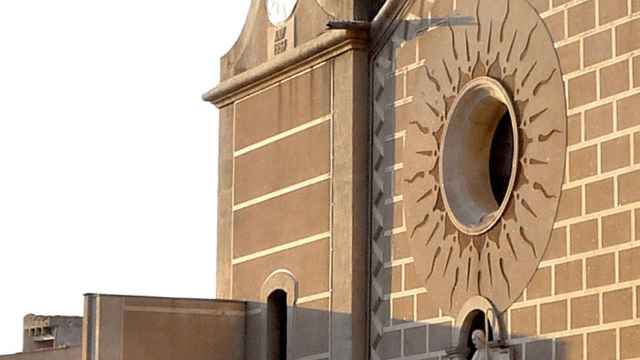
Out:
{"x": 170, "y": 310}
{"x": 314, "y": 298}
{"x": 308, "y": 263}
{"x": 283, "y": 219}
{"x": 299, "y": 157}
{"x": 281, "y": 248}
{"x": 283, "y": 107}
{"x": 283, "y": 191}
{"x": 282, "y": 135}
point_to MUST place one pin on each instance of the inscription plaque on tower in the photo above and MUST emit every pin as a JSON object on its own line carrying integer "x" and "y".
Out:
{"x": 281, "y": 36}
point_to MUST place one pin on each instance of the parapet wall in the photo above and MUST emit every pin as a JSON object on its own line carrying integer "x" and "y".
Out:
{"x": 131, "y": 328}
{"x": 72, "y": 353}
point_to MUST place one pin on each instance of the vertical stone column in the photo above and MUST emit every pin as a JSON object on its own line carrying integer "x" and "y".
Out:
{"x": 350, "y": 206}
{"x": 225, "y": 199}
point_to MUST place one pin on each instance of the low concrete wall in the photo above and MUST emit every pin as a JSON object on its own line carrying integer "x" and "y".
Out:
{"x": 73, "y": 353}
{"x": 134, "y": 328}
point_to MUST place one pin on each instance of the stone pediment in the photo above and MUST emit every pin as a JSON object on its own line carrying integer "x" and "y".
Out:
{"x": 262, "y": 40}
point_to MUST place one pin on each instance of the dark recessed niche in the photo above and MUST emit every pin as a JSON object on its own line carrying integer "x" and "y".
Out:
{"x": 478, "y": 322}
{"x": 501, "y": 158}
{"x": 277, "y": 325}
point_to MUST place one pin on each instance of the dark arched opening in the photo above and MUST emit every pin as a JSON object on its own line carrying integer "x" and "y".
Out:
{"x": 477, "y": 321}
{"x": 277, "y": 325}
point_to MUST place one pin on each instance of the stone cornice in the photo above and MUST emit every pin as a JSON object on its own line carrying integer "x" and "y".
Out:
{"x": 327, "y": 45}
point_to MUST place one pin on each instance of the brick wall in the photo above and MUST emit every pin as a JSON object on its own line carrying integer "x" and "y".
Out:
{"x": 584, "y": 296}
{"x": 583, "y": 301}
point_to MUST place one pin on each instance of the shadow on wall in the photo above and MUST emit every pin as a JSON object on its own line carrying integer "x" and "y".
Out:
{"x": 441, "y": 339}
{"x": 121, "y": 327}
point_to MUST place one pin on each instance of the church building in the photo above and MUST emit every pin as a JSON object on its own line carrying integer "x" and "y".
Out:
{"x": 413, "y": 179}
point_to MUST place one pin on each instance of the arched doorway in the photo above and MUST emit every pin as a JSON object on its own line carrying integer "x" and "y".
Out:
{"x": 277, "y": 325}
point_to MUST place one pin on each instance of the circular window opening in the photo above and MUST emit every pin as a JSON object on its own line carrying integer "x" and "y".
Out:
{"x": 479, "y": 156}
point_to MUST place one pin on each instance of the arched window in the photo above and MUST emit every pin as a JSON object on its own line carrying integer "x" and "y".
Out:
{"x": 277, "y": 325}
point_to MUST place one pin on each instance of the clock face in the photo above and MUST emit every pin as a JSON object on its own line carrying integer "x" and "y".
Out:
{"x": 280, "y": 10}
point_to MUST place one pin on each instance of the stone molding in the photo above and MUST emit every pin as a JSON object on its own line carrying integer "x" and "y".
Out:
{"x": 281, "y": 279}
{"x": 327, "y": 45}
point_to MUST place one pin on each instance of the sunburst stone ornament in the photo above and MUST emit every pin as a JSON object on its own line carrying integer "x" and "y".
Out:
{"x": 484, "y": 156}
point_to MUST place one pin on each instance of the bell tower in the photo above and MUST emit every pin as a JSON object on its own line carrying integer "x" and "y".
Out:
{"x": 293, "y": 187}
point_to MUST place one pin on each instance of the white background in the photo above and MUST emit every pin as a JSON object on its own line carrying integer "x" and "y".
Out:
{"x": 108, "y": 157}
